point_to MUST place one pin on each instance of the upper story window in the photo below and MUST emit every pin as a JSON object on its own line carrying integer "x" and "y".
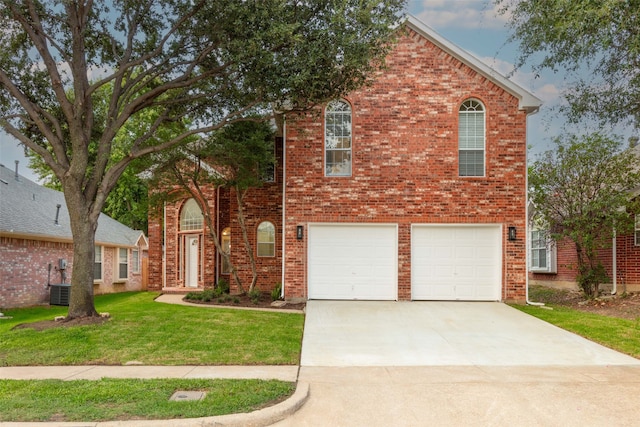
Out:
{"x": 266, "y": 239}
{"x": 191, "y": 216}
{"x": 471, "y": 138}
{"x": 637, "y": 231}
{"x": 268, "y": 170}
{"x": 337, "y": 138}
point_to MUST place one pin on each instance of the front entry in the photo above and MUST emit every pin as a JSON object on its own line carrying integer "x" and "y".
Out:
{"x": 191, "y": 261}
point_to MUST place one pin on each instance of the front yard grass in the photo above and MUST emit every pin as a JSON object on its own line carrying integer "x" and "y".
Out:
{"x": 622, "y": 335}
{"x": 127, "y": 399}
{"x": 150, "y": 333}
{"x": 153, "y": 333}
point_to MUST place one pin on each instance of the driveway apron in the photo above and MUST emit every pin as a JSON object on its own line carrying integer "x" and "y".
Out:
{"x": 387, "y": 333}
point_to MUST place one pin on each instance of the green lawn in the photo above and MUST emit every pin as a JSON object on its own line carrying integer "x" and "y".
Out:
{"x": 120, "y": 399}
{"x": 154, "y": 334}
{"x": 622, "y": 335}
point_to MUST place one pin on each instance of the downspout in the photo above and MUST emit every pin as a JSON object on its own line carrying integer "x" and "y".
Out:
{"x": 284, "y": 180}
{"x": 526, "y": 222}
{"x": 164, "y": 245}
{"x": 615, "y": 263}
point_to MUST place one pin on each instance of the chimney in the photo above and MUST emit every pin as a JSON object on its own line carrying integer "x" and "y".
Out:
{"x": 17, "y": 176}
{"x": 58, "y": 206}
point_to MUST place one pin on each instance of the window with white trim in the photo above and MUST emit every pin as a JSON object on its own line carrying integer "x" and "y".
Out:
{"x": 97, "y": 264}
{"x": 637, "y": 231}
{"x": 266, "y": 239}
{"x": 135, "y": 260}
{"x": 226, "y": 248}
{"x": 122, "y": 270}
{"x": 471, "y": 138}
{"x": 337, "y": 138}
{"x": 191, "y": 216}
{"x": 542, "y": 250}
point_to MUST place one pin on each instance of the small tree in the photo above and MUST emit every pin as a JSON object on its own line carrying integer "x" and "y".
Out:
{"x": 580, "y": 191}
{"x": 234, "y": 157}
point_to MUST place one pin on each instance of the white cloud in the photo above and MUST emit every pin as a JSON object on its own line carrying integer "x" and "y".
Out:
{"x": 467, "y": 14}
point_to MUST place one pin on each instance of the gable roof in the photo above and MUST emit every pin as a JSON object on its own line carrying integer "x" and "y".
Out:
{"x": 528, "y": 102}
{"x": 28, "y": 210}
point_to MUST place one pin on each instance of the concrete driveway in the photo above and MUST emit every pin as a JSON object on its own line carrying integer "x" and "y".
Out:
{"x": 456, "y": 364}
{"x": 381, "y": 333}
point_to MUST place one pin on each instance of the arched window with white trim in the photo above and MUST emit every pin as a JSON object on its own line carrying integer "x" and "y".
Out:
{"x": 471, "y": 138}
{"x": 337, "y": 138}
{"x": 266, "y": 239}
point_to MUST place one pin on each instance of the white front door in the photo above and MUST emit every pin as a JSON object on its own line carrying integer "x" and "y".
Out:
{"x": 191, "y": 261}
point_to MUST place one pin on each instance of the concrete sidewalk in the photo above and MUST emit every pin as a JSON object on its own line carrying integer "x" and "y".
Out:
{"x": 95, "y": 372}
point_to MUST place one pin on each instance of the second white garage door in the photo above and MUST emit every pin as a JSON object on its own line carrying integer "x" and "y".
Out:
{"x": 353, "y": 261}
{"x": 456, "y": 262}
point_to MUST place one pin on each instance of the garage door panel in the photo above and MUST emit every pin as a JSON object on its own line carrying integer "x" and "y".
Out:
{"x": 352, "y": 261}
{"x": 456, "y": 262}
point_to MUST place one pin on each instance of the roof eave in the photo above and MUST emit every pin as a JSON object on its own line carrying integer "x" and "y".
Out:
{"x": 527, "y": 101}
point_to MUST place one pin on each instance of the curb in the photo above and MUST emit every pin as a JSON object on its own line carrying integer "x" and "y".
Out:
{"x": 260, "y": 418}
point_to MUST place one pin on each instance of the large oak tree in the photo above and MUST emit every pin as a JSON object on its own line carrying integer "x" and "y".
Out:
{"x": 199, "y": 63}
{"x": 596, "y": 44}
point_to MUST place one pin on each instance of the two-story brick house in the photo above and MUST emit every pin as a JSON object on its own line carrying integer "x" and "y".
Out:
{"x": 413, "y": 187}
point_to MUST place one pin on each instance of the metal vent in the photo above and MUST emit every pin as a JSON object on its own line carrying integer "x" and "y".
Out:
{"x": 60, "y": 294}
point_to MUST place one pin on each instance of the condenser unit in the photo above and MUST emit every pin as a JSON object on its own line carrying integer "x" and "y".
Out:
{"x": 60, "y": 294}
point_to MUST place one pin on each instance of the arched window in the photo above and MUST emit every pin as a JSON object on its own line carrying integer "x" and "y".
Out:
{"x": 191, "y": 216}
{"x": 471, "y": 138}
{"x": 225, "y": 241}
{"x": 266, "y": 239}
{"x": 337, "y": 138}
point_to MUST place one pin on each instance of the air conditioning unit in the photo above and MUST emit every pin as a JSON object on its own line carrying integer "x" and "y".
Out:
{"x": 60, "y": 294}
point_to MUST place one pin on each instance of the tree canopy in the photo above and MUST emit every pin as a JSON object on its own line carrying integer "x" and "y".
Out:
{"x": 583, "y": 191}
{"x": 201, "y": 64}
{"x": 597, "y": 43}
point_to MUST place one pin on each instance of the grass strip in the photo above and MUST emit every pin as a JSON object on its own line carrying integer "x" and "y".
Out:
{"x": 154, "y": 334}
{"x": 129, "y": 399}
{"x": 622, "y": 335}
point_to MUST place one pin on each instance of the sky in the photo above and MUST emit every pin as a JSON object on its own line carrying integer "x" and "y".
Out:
{"x": 473, "y": 25}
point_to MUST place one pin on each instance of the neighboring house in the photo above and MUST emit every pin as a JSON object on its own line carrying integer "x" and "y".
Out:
{"x": 35, "y": 236}
{"x": 412, "y": 188}
{"x": 555, "y": 263}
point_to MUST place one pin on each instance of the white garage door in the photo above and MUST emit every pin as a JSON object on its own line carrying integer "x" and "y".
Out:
{"x": 353, "y": 261}
{"x": 456, "y": 262}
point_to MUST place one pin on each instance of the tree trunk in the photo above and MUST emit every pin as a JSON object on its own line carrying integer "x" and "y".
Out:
{"x": 245, "y": 238}
{"x": 83, "y": 228}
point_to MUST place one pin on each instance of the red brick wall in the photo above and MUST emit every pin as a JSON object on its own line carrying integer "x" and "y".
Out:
{"x": 405, "y": 162}
{"x": 627, "y": 271}
{"x": 261, "y": 204}
{"x": 24, "y": 271}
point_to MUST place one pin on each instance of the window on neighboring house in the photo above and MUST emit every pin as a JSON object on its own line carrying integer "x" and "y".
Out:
{"x": 226, "y": 248}
{"x": 191, "y": 216}
{"x": 135, "y": 260}
{"x": 123, "y": 263}
{"x": 337, "y": 138}
{"x": 542, "y": 252}
{"x": 266, "y": 239}
{"x": 97, "y": 264}
{"x": 471, "y": 138}
{"x": 637, "y": 231}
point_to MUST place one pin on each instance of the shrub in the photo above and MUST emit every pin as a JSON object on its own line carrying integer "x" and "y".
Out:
{"x": 275, "y": 293}
{"x": 223, "y": 286}
{"x": 193, "y": 296}
{"x": 254, "y": 295}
